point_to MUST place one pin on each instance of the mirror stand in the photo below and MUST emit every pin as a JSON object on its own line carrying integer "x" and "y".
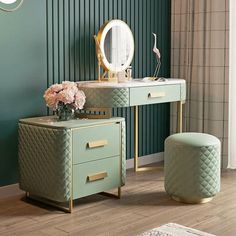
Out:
{"x": 111, "y": 77}
{"x": 99, "y": 57}
{"x": 107, "y": 76}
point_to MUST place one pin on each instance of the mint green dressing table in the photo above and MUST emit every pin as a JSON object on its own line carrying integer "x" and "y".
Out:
{"x": 103, "y": 96}
{"x": 60, "y": 161}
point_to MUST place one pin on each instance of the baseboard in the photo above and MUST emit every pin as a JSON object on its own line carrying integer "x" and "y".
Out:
{"x": 13, "y": 189}
{"x": 145, "y": 160}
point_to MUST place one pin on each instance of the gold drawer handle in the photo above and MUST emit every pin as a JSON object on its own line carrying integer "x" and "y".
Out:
{"x": 156, "y": 94}
{"x": 97, "y": 176}
{"x": 99, "y": 143}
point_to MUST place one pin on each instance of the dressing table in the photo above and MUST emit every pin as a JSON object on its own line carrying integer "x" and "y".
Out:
{"x": 102, "y": 97}
{"x": 115, "y": 87}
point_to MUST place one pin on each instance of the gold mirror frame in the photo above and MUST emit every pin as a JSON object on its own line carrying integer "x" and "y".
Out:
{"x": 15, "y": 3}
{"x": 102, "y": 61}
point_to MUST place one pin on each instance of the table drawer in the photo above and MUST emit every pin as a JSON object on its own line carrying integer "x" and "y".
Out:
{"x": 154, "y": 94}
{"x": 96, "y": 176}
{"x": 96, "y": 142}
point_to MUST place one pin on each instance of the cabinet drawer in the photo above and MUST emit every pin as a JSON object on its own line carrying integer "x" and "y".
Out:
{"x": 154, "y": 94}
{"x": 96, "y": 142}
{"x": 96, "y": 176}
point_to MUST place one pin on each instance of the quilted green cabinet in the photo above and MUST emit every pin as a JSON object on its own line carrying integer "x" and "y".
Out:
{"x": 66, "y": 160}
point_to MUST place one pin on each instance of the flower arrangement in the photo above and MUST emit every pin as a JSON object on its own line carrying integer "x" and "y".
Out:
{"x": 64, "y": 97}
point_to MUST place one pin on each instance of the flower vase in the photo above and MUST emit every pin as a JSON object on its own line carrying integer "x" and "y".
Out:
{"x": 64, "y": 112}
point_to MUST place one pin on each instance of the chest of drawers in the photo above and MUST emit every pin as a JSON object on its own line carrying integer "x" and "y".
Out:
{"x": 66, "y": 160}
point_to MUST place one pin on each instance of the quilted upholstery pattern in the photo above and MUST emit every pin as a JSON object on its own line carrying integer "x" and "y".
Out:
{"x": 123, "y": 153}
{"x": 106, "y": 97}
{"x": 45, "y": 160}
{"x": 190, "y": 171}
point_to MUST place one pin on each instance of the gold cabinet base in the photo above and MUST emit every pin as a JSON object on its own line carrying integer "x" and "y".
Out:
{"x": 69, "y": 208}
{"x": 59, "y": 206}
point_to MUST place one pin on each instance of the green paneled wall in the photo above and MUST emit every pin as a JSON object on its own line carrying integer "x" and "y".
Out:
{"x": 49, "y": 41}
{"x": 23, "y": 77}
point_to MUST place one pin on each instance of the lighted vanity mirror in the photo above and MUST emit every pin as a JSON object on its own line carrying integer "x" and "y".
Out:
{"x": 115, "y": 46}
{"x": 10, "y": 5}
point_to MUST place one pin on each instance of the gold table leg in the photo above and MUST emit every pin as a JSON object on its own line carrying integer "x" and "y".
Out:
{"x": 179, "y": 129}
{"x": 136, "y": 139}
{"x": 180, "y": 116}
{"x": 136, "y": 166}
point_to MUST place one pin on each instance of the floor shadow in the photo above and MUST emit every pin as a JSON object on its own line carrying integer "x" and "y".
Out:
{"x": 28, "y": 207}
{"x": 156, "y": 198}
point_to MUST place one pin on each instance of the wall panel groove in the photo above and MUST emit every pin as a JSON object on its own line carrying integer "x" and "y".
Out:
{"x": 71, "y": 53}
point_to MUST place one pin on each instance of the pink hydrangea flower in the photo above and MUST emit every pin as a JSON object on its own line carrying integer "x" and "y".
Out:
{"x": 68, "y": 85}
{"x": 66, "y": 96}
{"x": 51, "y": 100}
{"x": 79, "y": 99}
{"x": 67, "y": 93}
{"x": 56, "y": 88}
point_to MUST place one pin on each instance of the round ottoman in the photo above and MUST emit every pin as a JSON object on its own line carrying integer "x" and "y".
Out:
{"x": 192, "y": 167}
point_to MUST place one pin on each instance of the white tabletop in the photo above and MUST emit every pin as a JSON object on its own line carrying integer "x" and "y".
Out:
{"x": 129, "y": 84}
{"x": 53, "y": 122}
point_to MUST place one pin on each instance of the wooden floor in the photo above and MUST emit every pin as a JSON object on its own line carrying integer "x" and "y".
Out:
{"x": 144, "y": 205}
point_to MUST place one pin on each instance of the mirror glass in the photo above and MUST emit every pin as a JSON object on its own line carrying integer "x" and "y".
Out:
{"x": 8, "y": 1}
{"x": 117, "y": 46}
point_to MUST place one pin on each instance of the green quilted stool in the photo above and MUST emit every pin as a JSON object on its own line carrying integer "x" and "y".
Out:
{"x": 192, "y": 167}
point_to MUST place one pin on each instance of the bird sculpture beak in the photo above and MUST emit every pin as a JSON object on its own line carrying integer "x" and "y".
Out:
{"x": 153, "y": 34}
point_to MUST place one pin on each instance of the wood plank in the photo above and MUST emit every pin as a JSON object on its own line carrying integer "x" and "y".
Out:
{"x": 143, "y": 206}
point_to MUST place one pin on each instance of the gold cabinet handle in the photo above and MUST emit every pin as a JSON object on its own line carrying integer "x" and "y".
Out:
{"x": 156, "y": 94}
{"x": 99, "y": 143}
{"x": 98, "y": 176}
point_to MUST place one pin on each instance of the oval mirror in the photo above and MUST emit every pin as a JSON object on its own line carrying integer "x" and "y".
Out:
{"x": 10, "y": 5}
{"x": 117, "y": 46}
